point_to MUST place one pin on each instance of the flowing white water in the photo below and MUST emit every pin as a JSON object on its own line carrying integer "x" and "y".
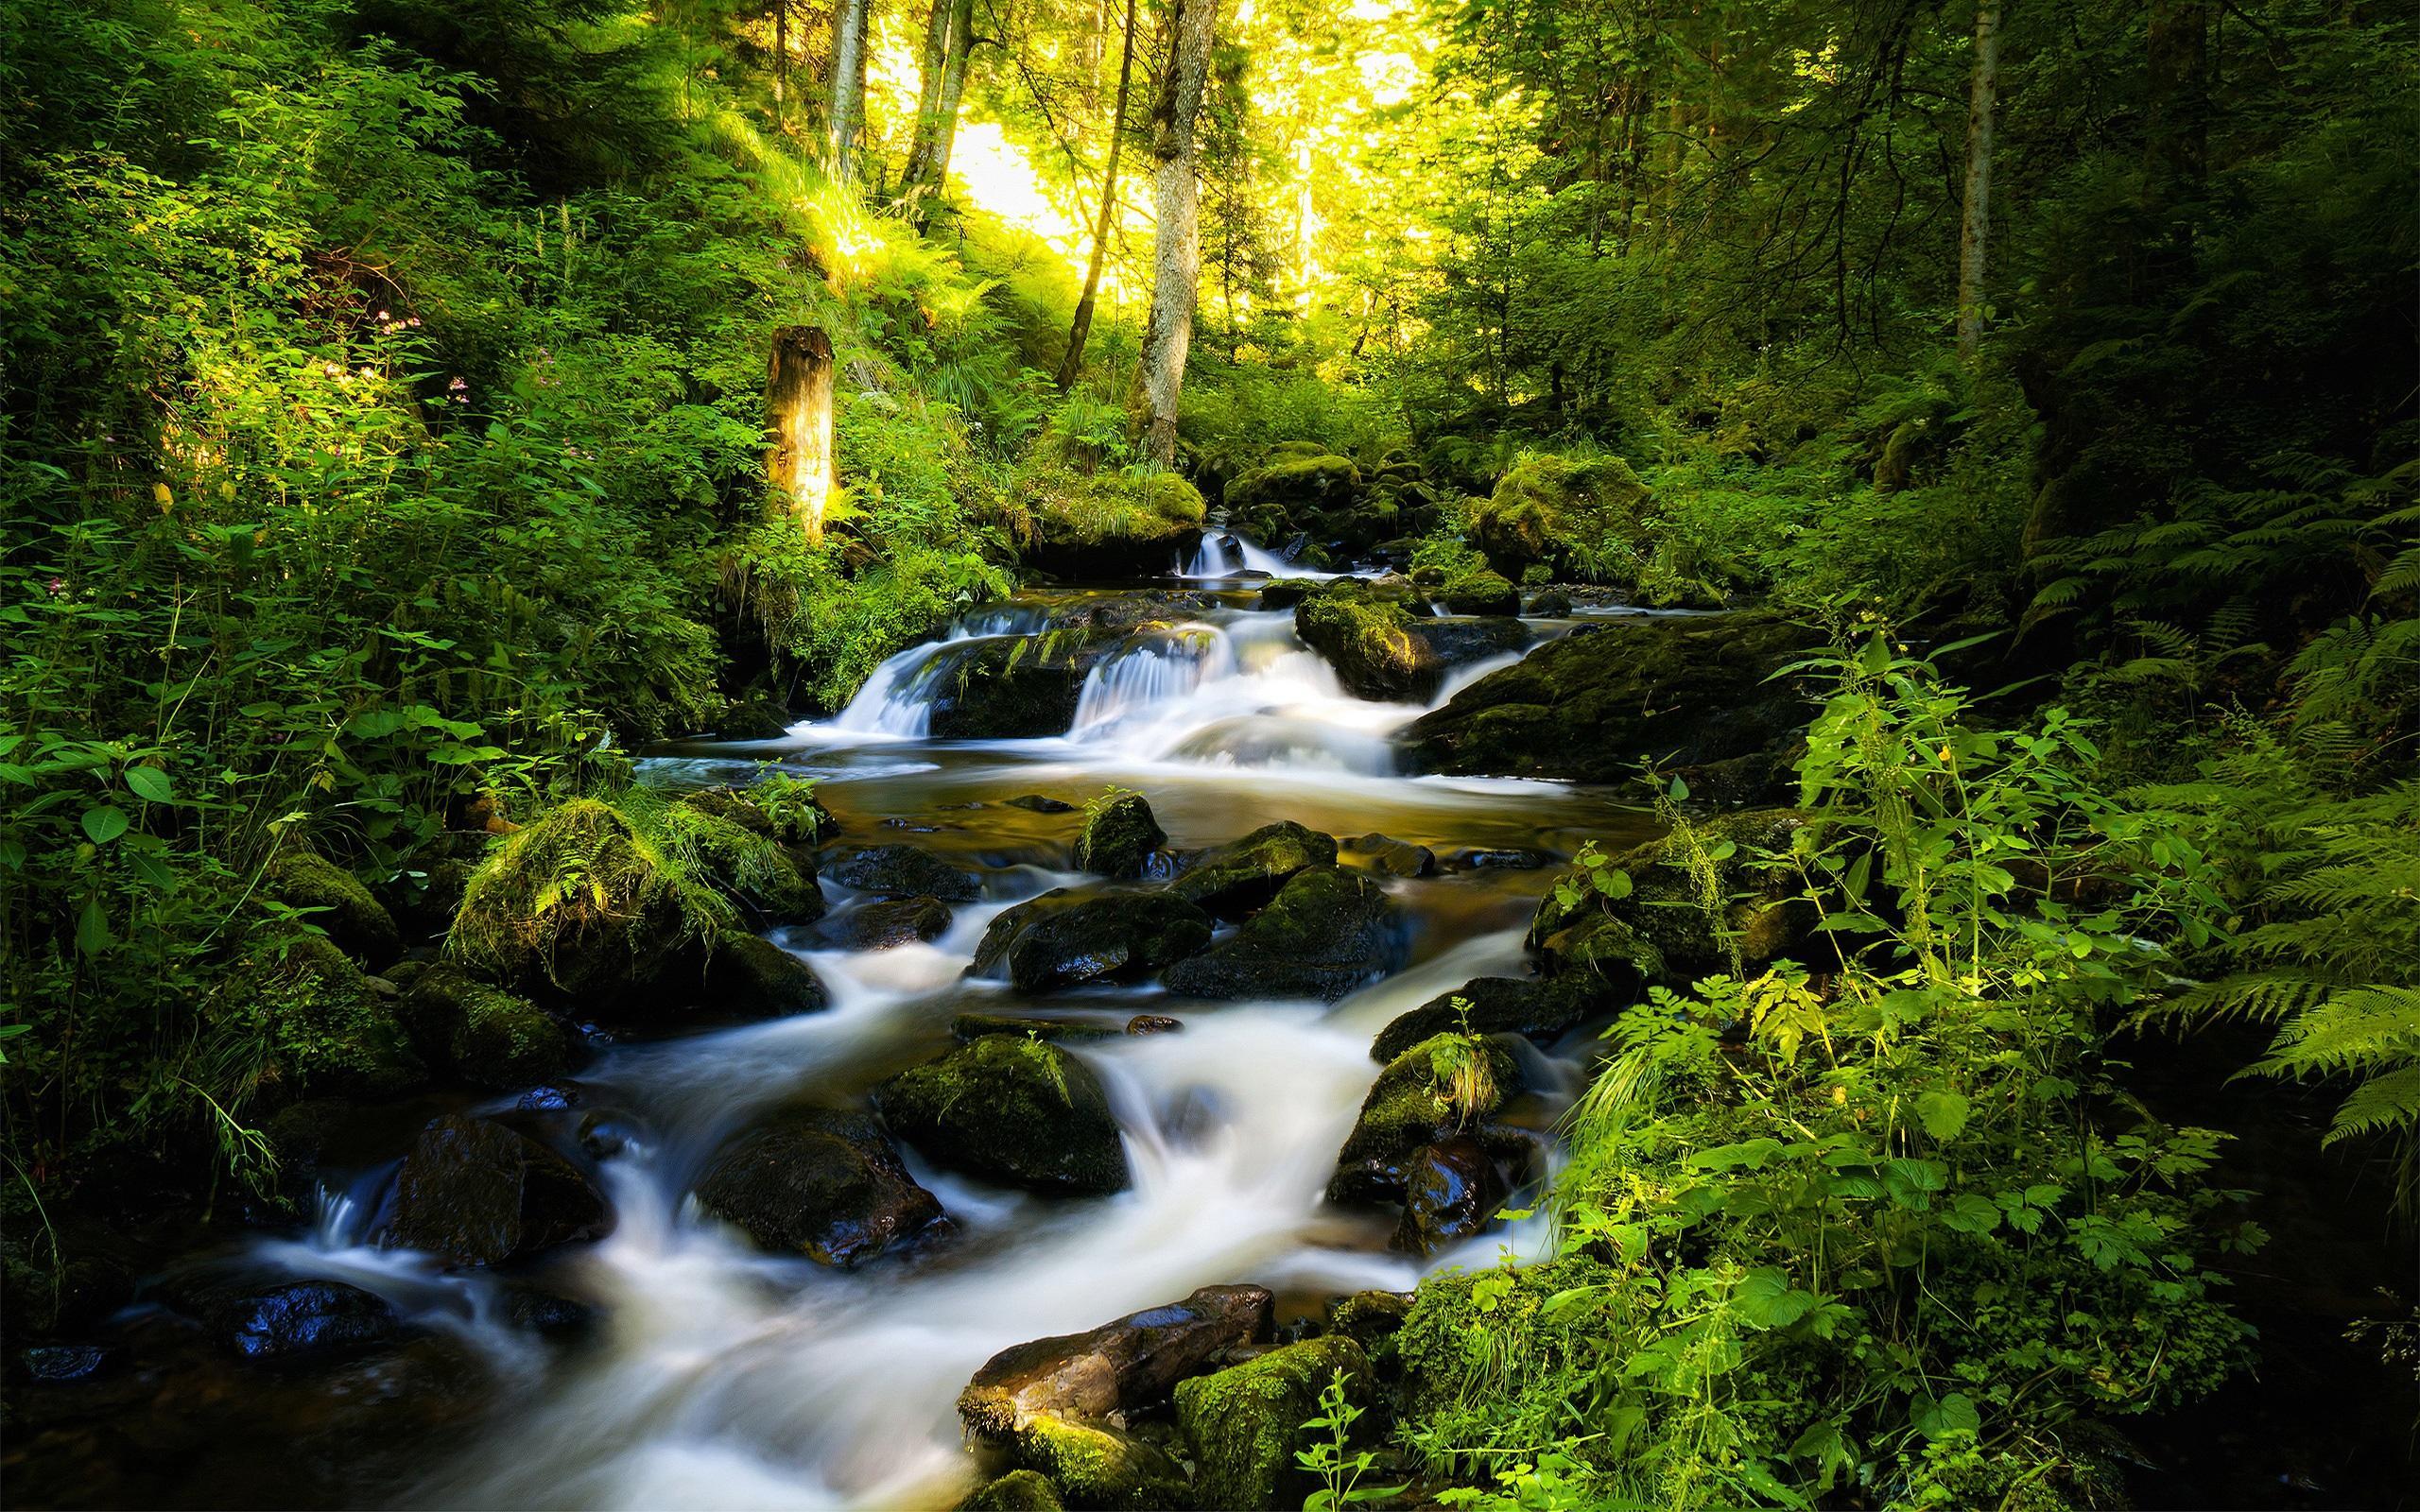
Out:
{"x": 729, "y": 1378}
{"x": 1229, "y": 553}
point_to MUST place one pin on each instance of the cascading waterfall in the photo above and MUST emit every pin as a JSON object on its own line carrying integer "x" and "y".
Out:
{"x": 1230, "y": 554}
{"x": 728, "y": 1376}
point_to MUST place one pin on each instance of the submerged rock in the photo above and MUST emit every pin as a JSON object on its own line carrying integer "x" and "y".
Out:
{"x": 1019, "y": 1111}
{"x": 1393, "y": 858}
{"x": 1125, "y": 1365}
{"x": 823, "y": 1183}
{"x": 889, "y": 922}
{"x": 1229, "y": 881}
{"x": 1324, "y": 934}
{"x": 1543, "y": 1011}
{"x": 753, "y": 977}
{"x": 476, "y": 1193}
{"x": 1040, "y": 803}
{"x": 304, "y": 1319}
{"x": 1432, "y": 1092}
{"x": 1245, "y": 1423}
{"x": 904, "y": 871}
{"x": 1119, "y": 836}
{"x": 487, "y": 1037}
{"x": 975, "y": 1026}
{"x": 339, "y": 904}
{"x": 1686, "y": 693}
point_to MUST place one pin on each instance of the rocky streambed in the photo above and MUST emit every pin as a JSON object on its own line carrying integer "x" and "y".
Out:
{"x": 1162, "y": 983}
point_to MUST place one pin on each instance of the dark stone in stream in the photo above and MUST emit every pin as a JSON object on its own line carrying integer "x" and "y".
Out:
{"x": 972, "y": 1027}
{"x": 304, "y": 1319}
{"x": 1228, "y": 882}
{"x": 1552, "y": 604}
{"x": 1153, "y": 1024}
{"x": 1452, "y": 1190}
{"x": 1285, "y": 592}
{"x": 60, "y": 1365}
{"x": 1504, "y": 858}
{"x": 753, "y": 977}
{"x": 1038, "y": 803}
{"x": 1120, "y": 836}
{"x": 821, "y": 1183}
{"x": 1688, "y": 693}
{"x": 1413, "y": 1103}
{"x": 879, "y": 926}
{"x": 476, "y": 1193}
{"x": 1006, "y": 689}
{"x": 1065, "y": 939}
{"x": 486, "y": 1036}
{"x": 904, "y": 871}
{"x": 1327, "y": 933}
{"x": 1123, "y": 1366}
{"x": 1459, "y": 643}
{"x": 1384, "y": 853}
{"x": 1542, "y": 1011}
{"x": 1011, "y": 1109}
{"x": 549, "y": 1315}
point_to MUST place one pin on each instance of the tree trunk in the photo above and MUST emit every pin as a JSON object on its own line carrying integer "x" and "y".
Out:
{"x": 930, "y": 64}
{"x": 798, "y": 411}
{"x": 1081, "y": 328}
{"x": 848, "y": 83}
{"x": 948, "y": 40}
{"x": 1974, "y": 233}
{"x": 781, "y": 63}
{"x": 1176, "y": 252}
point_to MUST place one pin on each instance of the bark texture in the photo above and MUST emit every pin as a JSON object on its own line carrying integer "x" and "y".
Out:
{"x": 797, "y": 410}
{"x": 1176, "y": 255}
{"x": 849, "y": 20}
{"x": 1974, "y": 233}
{"x": 1081, "y": 328}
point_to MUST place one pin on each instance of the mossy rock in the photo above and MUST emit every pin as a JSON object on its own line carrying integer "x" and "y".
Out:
{"x": 1414, "y": 1102}
{"x": 1127, "y": 1366}
{"x": 1551, "y": 603}
{"x": 1019, "y": 1111}
{"x": 1116, "y": 524}
{"x": 1371, "y": 640}
{"x": 1480, "y": 593}
{"x": 1327, "y": 933}
{"x": 889, "y": 922}
{"x": 1065, "y": 939}
{"x": 1229, "y": 881}
{"x": 999, "y": 688}
{"x": 342, "y": 907}
{"x": 1285, "y": 592}
{"x": 1688, "y": 693}
{"x": 1100, "y": 1467}
{"x": 1244, "y": 1424}
{"x": 797, "y": 817}
{"x": 324, "y": 1027}
{"x": 820, "y": 1182}
{"x": 967, "y": 1026}
{"x": 1302, "y": 480}
{"x": 752, "y": 977}
{"x": 1447, "y": 1338}
{"x": 1119, "y": 836}
{"x": 1540, "y": 1011}
{"x": 615, "y": 910}
{"x": 1016, "y": 1491}
{"x": 1567, "y": 514}
{"x": 486, "y": 1036}
{"x": 1453, "y": 1189}
{"x": 1388, "y": 856}
{"x": 904, "y": 871}
{"x": 1663, "y": 930}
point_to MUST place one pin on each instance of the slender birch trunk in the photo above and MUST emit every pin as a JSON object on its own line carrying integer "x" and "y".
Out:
{"x": 1974, "y": 233}
{"x": 849, "y": 20}
{"x": 1176, "y": 255}
{"x": 1081, "y": 328}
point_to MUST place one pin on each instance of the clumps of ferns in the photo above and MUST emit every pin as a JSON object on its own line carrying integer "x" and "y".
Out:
{"x": 1461, "y": 1071}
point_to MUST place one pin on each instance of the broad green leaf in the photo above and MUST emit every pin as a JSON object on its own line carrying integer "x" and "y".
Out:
{"x": 104, "y": 824}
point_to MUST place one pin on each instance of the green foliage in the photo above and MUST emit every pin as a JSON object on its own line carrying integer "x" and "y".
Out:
{"x": 1332, "y": 1457}
{"x": 1901, "y": 1237}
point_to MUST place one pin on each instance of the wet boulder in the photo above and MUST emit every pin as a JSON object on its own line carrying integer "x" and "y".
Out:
{"x": 1327, "y": 933}
{"x": 967, "y": 1026}
{"x": 904, "y": 871}
{"x": 1452, "y": 1190}
{"x": 486, "y": 1036}
{"x": 338, "y": 904}
{"x": 1098, "y": 1466}
{"x": 1498, "y": 858}
{"x": 1119, "y": 836}
{"x": 1460, "y": 643}
{"x": 1388, "y": 856}
{"x": 1436, "y": 1090}
{"x": 1659, "y": 928}
{"x": 1005, "y": 689}
{"x": 1541, "y": 1011}
{"x": 1690, "y": 695}
{"x": 1040, "y": 803}
{"x": 310, "y": 1319}
{"x": 823, "y": 1183}
{"x": 1371, "y": 640}
{"x": 752, "y": 977}
{"x": 889, "y": 922}
{"x": 1016, "y": 1491}
{"x": 1229, "y": 881}
{"x": 1023, "y": 1112}
{"x": 1479, "y": 592}
{"x": 1244, "y": 1424}
{"x": 476, "y": 1193}
{"x": 786, "y": 810}
{"x": 1551, "y": 603}
{"x": 1122, "y": 1366}
{"x": 1107, "y": 523}
{"x": 1064, "y": 939}
{"x": 1285, "y": 592}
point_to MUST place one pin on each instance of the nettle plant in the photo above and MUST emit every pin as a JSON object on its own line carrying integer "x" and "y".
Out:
{"x": 1889, "y": 1227}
